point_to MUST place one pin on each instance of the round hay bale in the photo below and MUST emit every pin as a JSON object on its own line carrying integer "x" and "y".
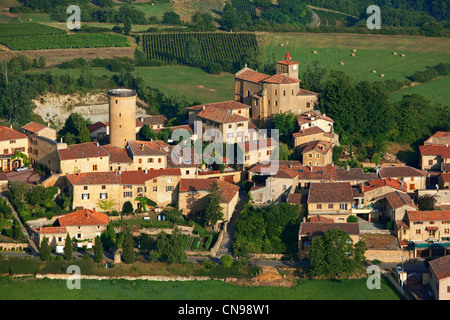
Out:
{"x": 353, "y": 54}
{"x": 314, "y": 52}
{"x": 374, "y": 71}
{"x": 281, "y": 44}
{"x": 395, "y": 53}
{"x": 29, "y": 19}
{"x": 403, "y": 55}
{"x": 354, "y": 50}
{"x": 341, "y": 63}
{"x": 382, "y": 75}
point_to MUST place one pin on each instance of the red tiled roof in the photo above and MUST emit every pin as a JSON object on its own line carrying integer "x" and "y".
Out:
{"x": 117, "y": 155}
{"x": 399, "y": 172}
{"x": 220, "y": 115}
{"x": 437, "y": 215}
{"x": 122, "y": 178}
{"x": 398, "y": 199}
{"x": 327, "y": 192}
{"x": 319, "y": 228}
{"x": 252, "y": 76}
{"x": 148, "y": 148}
{"x": 279, "y": 78}
{"x": 95, "y": 126}
{"x": 93, "y": 178}
{"x": 52, "y": 230}
{"x": 295, "y": 198}
{"x": 183, "y": 126}
{"x": 317, "y": 145}
{"x": 151, "y": 120}
{"x": 439, "y": 134}
{"x": 229, "y": 190}
{"x": 7, "y": 133}
{"x": 304, "y": 92}
{"x": 441, "y": 267}
{"x": 435, "y": 149}
{"x": 378, "y": 183}
{"x": 82, "y": 151}
{"x": 226, "y": 105}
{"x": 255, "y": 145}
{"x": 83, "y": 217}
{"x": 139, "y": 177}
{"x": 34, "y": 127}
{"x": 307, "y": 132}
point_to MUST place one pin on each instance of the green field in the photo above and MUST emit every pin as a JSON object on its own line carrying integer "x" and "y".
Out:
{"x": 193, "y": 83}
{"x": 80, "y": 40}
{"x": 27, "y": 29}
{"x": 437, "y": 91}
{"x": 31, "y": 288}
{"x": 156, "y": 10}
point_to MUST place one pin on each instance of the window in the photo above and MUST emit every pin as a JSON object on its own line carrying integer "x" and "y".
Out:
{"x": 412, "y": 186}
{"x": 120, "y": 115}
{"x": 151, "y": 160}
{"x": 343, "y": 206}
{"x": 317, "y": 156}
{"x": 60, "y": 239}
{"x": 187, "y": 172}
{"x": 418, "y": 222}
{"x": 446, "y": 231}
{"x": 412, "y": 178}
{"x": 140, "y": 161}
{"x": 127, "y": 194}
{"x": 276, "y": 92}
{"x": 85, "y": 187}
{"x": 284, "y": 92}
{"x": 418, "y": 231}
{"x": 155, "y": 189}
{"x": 229, "y": 126}
{"x": 430, "y": 162}
{"x": 330, "y": 206}
{"x": 169, "y": 188}
{"x": 103, "y": 195}
{"x": 103, "y": 187}
{"x": 159, "y": 160}
{"x": 318, "y": 206}
{"x": 139, "y": 190}
{"x": 85, "y": 196}
{"x": 79, "y": 236}
{"x": 169, "y": 180}
{"x": 283, "y": 187}
{"x": 310, "y": 155}
{"x": 94, "y": 167}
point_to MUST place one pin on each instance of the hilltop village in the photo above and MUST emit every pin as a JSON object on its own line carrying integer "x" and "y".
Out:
{"x": 121, "y": 174}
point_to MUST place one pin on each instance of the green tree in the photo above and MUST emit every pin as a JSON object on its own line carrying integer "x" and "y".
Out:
{"x": 68, "y": 248}
{"x": 285, "y": 122}
{"x": 16, "y": 100}
{"x": 171, "y": 18}
{"x": 44, "y": 250}
{"x": 170, "y": 247}
{"x": 98, "y": 250}
{"x": 226, "y": 260}
{"x": 203, "y": 21}
{"x": 313, "y": 76}
{"x": 75, "y": 129}
{"x": 192, "y": 52}
{"x": 334, "y": 255}
{"x": 214, "y": 211}
{"x": 127, "y": 26}
{"x": 128, "y": 247}
{"x": 42, "y": 62}
{"x": 147, "y": 133}
{"x": 127, "y": 208}
{"x": 17, "y": 230}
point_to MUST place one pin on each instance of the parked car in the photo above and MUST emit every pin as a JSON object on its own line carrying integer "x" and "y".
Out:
{"x": 21, "y": 169}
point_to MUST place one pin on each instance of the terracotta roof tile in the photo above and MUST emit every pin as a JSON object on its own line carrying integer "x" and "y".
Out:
{"x": 93, "y": 178}
{"x": 139, "y": 177}
{"x": 83, "y": 217}
{"x": 82, "y": 151}
{"x": 220, "y": 115}
{"x": 226, "y": 105}
{"x": 317, "y": 145}
{"x": 314, "y": 115}
{"x": 398, "y": 199}
{"x": 117, "y": 155}
{"x": 148, "y": 148}
{"x": 435, "y": 149}
{"x": 399, "y": 172}
{"x": 229, "y": 190}
{"x": 304, "y": 92}
{"x": 441, "y": 267}
{"x": 445, "y": 177}
{"x": 327, "y": 192}
{"x": 51, "y": 230}
{"x": 437, "y": 215}
{"x": 320, "y": 219}
{"x": 95, "y": 126}
{"x": 252, "y": 76}
{"x": 279, "y": 78}
{"x": 151, "y": 120}
{"x": 378, "y": 183}
{"x": 34, "y": 127}
{"x": 7, "y": 133}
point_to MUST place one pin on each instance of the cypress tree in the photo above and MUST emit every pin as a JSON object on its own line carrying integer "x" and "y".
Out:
{"x": 128, "y": 247}
{"x": 68, "y": 248}
{"x": 44, "y": 250}
{"x": 98, "y": 250}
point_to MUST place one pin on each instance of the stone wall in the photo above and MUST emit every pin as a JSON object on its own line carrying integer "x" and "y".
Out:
{"x": 394, "y": 256}
{"x": 15, "y": 246}
{"x": 267, "y": 256}
{"x": 213, "y": 252}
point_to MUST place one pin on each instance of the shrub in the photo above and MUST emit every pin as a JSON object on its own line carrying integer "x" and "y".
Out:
{"x": 153, "y": 255}
{"x": 226, "y": 261}
{"x": 352, "y": 219}
{"x": 390, "y": 225}
{"x": 376, "y": 262}
{"x": 127, "y": 208}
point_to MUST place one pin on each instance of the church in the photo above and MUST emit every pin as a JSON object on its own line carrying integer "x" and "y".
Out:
{"x": 269, "y": 95}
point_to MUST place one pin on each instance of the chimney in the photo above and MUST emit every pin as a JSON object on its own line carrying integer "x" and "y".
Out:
{"x": 61, "y": 140}
{"x": 48, "y": 124}
{"x": 98, "y": 145}
{"x": 10, "y": 126}
{"x": 348, "y": 167}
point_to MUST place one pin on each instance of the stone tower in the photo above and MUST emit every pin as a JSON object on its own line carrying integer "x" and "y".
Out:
{"x": 287, "y": 67}
{"x": 122, "y": 116}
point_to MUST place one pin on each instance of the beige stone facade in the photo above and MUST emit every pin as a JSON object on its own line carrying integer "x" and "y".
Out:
{"x": 122, "y": 116}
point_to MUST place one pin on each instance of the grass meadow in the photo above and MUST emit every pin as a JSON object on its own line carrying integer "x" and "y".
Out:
{"x": 45, "y": 289}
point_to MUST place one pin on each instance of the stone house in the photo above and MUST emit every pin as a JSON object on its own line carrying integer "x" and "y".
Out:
{"x": 316, "y": 153}
{"x": 440, "y": 137}
{"x": 424, "y": 226}
{"x": 313, "y": 134}
{"x": 434, "y": 157}
{"x": 11, "y": 141}
{"x": 83, "y": 225}
{"x": 83, "y": 157}
{"x": 193, "y": 193}
{"x": 315, "y": 119}
{"x": 155, "y": 122}
{"x": 412, "y": 178}
{"x": 331, "y": 199}
{"x": 444, "y": 180}
{"x": 99, "y": 130}
{"x": 88, "y": 189}
{"x": 440, "y": 277}
{"x": 269, "y": 95}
